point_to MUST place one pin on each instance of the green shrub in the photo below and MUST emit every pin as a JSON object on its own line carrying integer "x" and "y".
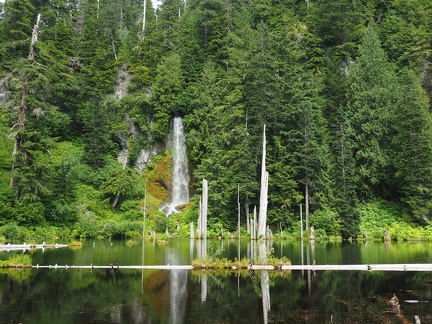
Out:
{"x": 215, "y": 229}
{"x": 12, "y": 232}
{"x": 324, "y": 222}
{"x": 404, "y": 231}
{"x": 427, "y": 232}
{"x": 63, "y": 212}
{"x": 29, "y": 213}
{"x": 183, "y": 231}
{"x": 130, "y": 209}
{"x": 121, "y": 229}
{"x": 160, "y": 221}
{"x": 377, "y": 216}
{"x": 161, "y": 224}
{"x": 87, "y": 227}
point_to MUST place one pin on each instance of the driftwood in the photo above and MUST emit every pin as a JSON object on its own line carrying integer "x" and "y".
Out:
{"x": 283, "y": 267}
{"x": 368, "y": 267}
{"x": 137, "y": 267}
{"x": 12, "y": 247}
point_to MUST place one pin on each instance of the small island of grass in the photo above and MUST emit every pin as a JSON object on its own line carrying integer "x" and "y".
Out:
{"x": 17, "y": 261}
{"x": 224, "y": 263}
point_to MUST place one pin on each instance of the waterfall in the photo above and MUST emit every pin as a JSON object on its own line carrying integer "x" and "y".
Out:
{"x": 180, "y": 174}
{"x": 180, "y": 191}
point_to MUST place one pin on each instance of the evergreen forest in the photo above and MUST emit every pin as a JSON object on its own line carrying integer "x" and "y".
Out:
{"x": 343, "y": 88}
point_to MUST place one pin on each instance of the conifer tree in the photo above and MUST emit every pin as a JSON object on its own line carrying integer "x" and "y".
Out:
{"x": 413, "y": 148}
{"x": 371, "y": 102}
{"x": 166, "y": 90}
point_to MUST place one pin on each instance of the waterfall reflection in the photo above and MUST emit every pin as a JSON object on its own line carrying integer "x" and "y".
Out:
{"x": 178, "y": 295}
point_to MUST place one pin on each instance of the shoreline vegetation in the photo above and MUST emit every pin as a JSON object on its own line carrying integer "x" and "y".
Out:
{"x": 376, "y": 219}
{"x": 398, "y": 232}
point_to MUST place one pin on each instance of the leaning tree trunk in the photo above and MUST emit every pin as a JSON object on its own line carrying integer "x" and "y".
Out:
{"x": 262, "y": 223}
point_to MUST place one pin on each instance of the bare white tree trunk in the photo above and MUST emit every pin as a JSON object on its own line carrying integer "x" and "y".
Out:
{"x": 254, "y": 226}
{"x": 144, "y": 210}
{"x": 238, "y": 209}
{"x": 202, "y": 249}
{"x": 307, "y": 204}
{"x": 262, "y": 223}
{"x": 204, "y": 209}
{"x": 115, "y": 201}
{"x": 34, "y": 37}
{"x": 192, "y": 230}
{"x": 144, "y": 20}
{"x": 248, "y": 221}
{"x": 301, "y": 221}
{"x": 199, "y": 223}
{"x": 113, "y": 46}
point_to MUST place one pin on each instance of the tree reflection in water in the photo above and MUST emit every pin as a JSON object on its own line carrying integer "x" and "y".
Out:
{"x": 84, "y": 296}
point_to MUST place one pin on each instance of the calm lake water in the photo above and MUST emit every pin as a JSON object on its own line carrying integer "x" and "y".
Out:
{"x": 182, "y": 296}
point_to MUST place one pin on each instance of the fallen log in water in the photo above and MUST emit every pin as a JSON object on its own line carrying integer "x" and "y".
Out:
{"x": 351, "y": 267}
{"x": 13, "y": 247}
{"x": 368, "y": 267}
{"x": 136, "y": 267}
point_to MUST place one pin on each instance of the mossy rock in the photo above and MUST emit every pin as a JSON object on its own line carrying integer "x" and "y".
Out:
{"x": 159, "y": 178}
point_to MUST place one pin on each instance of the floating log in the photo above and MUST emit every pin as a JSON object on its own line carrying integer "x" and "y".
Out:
{"x": 262, "y": 267}
{"x": 136, "y": 267}
{"x": 368, "y": 267}
{"x": 349, "y": 267}
{"x": 12, "y": 247}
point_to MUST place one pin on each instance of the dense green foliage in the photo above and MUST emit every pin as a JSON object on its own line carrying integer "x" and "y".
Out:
{"x": 343, "y": 88}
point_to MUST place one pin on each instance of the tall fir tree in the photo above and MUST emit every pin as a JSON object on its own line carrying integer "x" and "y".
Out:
{"x": 371, "y": 103}
{"x": 413, "y": 148}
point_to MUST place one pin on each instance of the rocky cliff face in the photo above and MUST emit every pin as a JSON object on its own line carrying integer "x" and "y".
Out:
{"x": 155, "y": 163}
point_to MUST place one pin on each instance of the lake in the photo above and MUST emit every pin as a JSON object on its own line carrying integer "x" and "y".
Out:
{"x": 184, "y": 296}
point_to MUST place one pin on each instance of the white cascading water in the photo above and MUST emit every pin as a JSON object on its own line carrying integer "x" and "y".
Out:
{"x": 180, "y": 175}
